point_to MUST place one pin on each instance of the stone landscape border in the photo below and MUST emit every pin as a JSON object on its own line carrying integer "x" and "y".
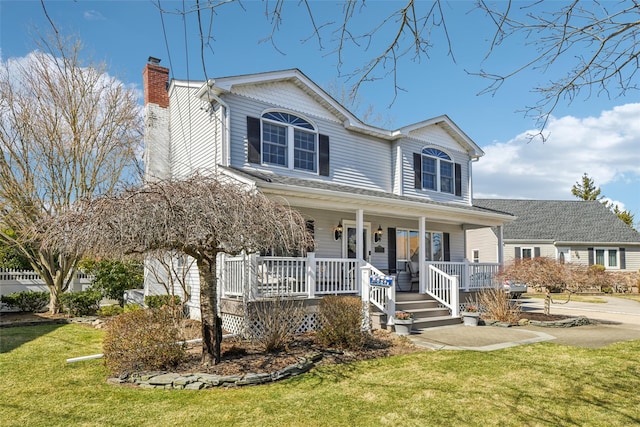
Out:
{"x": 563, "y": 323}
{"x": 197, "y": 381}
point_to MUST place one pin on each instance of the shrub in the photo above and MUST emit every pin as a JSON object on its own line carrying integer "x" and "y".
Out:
{"x": 84, "y": 303}
{"x": 132, "y": 307}
{"x": 113, "y": 277}
{"x": 275, "y": 322}
{"x": 497, "y": 305}
{"x": 341, "y": 322}
{"x": 159, "y": 301}
{"x": 110, "y": 310}
{"x": 143, "y": 340}
{"x": 540, "y": 273}
{"x": 27, "y": 301}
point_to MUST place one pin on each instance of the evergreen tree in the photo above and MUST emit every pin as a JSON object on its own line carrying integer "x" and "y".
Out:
{"x": 586, "y": 190}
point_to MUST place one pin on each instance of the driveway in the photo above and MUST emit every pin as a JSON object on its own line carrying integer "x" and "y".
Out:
{"x": 617, "y": 320}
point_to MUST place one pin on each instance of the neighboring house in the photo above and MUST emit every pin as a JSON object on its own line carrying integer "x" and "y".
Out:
{"x": 580, "y": 232}
{"x": 375, "y": 199}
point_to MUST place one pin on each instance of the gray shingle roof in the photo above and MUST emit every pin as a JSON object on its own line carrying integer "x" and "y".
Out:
{"x": 561, "y": 221}
{"x": 289, "y": 181}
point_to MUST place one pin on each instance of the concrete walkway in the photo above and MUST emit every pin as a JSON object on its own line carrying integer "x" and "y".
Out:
{"x": 617, "y": 320}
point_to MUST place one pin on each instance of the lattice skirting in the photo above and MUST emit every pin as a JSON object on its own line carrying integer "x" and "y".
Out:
{"x": 235, "y": 324}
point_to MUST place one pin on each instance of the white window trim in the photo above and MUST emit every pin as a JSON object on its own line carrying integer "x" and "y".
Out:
{"x": 438, "y": 176}
{"x": 290, "y": 141}
{"x": 522, "y": 249}
{"x": 606, "y": 257}
{"x": 431, "y": 233}
{"x": 473, "y": 256}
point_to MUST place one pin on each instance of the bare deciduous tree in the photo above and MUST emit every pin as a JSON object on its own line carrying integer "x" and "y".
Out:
{"x": 592, "y": 45}
{"x": 67, "y": 132}
{"x": 201, "y": 216}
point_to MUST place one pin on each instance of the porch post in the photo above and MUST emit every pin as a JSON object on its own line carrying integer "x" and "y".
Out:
{"x": 359, "y": 244}
{"x": 391, "y": 302}
{"x": 466, "y": 274}
{"x": 222, "y": 276}
{"x": 500, "y": 246}
{"x": 311, "y": 274}
{"x": 250, "y": 276}
{"x": 422, "y": 256}
{"x": 455, "y": 297}
{"x": 364, "y": 285}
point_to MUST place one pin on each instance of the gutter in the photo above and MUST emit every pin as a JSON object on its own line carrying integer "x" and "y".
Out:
{"x": 393, "y": 203}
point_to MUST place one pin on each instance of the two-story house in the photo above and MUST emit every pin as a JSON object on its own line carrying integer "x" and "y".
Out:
{"x": 379, "y": 202}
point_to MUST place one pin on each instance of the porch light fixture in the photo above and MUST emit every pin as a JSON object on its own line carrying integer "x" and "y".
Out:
{"x": 377, "y": 236}
{"x": 337, "y": 232}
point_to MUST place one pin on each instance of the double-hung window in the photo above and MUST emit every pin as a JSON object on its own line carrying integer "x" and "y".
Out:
{"x": 289, "y": 141}
{"x": 607, "y": 257}
{"x": 437, "y": 172}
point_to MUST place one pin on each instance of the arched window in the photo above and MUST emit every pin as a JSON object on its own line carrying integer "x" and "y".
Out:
{"x": 437, "y": 171}
{"x": 285, "y": 137}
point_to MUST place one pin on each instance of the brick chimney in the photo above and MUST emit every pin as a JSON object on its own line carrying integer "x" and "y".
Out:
{"x": 155, "y": 81}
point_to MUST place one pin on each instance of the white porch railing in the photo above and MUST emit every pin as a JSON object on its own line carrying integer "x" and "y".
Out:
{"x": 444, "y": 280}
{"x": 291, "y": 276}
{"x": 471, "y": 276}
{"x": 257, "y": 277}
{"x": 443, "y": 288}
{"x": 379, "y": 290}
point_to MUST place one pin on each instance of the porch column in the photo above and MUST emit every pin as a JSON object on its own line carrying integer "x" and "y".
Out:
{"x": 422, "y": 256}
{"x": 500, "y": 246}
{"x": 359, "y": 244}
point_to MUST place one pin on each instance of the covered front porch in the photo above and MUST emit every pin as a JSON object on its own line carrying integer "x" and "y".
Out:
{"x": 250, "y": 278}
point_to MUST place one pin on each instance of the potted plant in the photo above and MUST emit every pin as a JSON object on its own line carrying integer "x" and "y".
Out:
{"x": 471, "y": 315}
{"x": 403, "y": 321}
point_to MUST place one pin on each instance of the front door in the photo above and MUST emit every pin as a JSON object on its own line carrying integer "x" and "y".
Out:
{"x": 349, "y": 245}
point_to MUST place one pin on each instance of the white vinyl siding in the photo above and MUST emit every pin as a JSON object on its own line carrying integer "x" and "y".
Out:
{"x": 196, "y": 134}
{"x": 348, "y": 164}
{"x": 485, "y": 241}
{"x": 439, "y": 139}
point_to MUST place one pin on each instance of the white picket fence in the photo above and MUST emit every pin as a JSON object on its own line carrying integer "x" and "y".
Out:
{"x": 26, "y": 280}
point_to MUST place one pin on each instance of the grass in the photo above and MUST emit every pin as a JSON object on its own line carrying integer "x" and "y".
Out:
{"x": 540, "y": 384}
{"x": 633, "y": 297}
{"x": 576, "y": 298}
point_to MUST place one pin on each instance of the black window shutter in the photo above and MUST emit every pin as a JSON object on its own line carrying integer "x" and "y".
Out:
{"x": 323, "y": 155}
{"x": 417, "y": 171}
{"x": 391, "y": 233}
{"x": 590, "y": 257}
{"x": 517, "y": 255}
{"x": 446, "y": 246}
{"x": 536, "y": 252}
{"x": 458, "y": 179}
{"x": 253, "y": 137}
{"x": 623, "y": 259}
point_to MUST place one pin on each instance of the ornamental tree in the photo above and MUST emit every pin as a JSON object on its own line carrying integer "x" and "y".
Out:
{"x": 201, "y": 216}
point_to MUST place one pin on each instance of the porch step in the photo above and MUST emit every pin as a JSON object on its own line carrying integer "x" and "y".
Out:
{"x": 426, "y": 311}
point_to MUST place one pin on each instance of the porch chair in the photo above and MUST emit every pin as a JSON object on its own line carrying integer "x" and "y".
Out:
{"x": 413, "y": 275}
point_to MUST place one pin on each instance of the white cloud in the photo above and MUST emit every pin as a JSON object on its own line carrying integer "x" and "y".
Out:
{"x": 93, "y": 15}
{"x": 607, "y": 148}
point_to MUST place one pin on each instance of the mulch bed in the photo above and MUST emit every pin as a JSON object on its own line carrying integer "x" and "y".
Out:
{"x": 541, "y": 317}
{"x": 241, "y": 356}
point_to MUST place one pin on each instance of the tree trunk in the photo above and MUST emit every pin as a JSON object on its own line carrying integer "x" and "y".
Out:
{"x": 56, "y": 273}
{"x": 211, "y": 322}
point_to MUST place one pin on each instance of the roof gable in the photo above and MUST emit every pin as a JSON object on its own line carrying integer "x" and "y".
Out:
{"x": 561, "y": 221}
{"x": 253, "y": 84}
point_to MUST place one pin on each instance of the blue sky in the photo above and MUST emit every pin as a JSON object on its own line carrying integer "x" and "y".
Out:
{"x": 595, "y": 135}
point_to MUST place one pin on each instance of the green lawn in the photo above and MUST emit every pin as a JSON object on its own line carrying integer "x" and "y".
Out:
{"x": 533, "y": 385}
{"x": 576, "y": 298}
